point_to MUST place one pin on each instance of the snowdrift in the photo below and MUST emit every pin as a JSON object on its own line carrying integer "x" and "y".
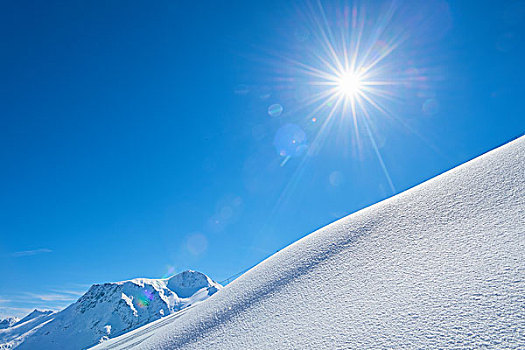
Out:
{"x": 438, "y": 266}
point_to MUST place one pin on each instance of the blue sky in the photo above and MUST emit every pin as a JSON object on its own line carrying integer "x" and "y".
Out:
{"x": 139, "y": 139}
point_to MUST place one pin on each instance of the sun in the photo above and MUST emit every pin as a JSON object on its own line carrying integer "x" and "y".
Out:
{"x": 349, "y": 84}
{"x": 351, "y": 75}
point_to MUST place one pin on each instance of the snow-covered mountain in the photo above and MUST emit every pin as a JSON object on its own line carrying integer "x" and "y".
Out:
{"x": 441, "y": 265}
{"x": 12, "y": 336}
{"x": 35, "y": 314}
{"x": 108, "y": 310}
{"x": 8, "y": 322}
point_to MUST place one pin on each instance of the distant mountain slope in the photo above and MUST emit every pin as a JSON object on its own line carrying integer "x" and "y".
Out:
{"x": 8, "y": 322}
{"x": 110, "y": 309}
{"x": 438, "y": 266}
{"x": 34, "y": 314}
{"x": 24, "y": 328}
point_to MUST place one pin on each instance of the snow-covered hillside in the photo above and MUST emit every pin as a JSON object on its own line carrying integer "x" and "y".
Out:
{"x": 108, "y": 310}
{"x": 438, "y": 266}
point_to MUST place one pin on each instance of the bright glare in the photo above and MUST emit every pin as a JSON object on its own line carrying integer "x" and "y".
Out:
{"x": 352, "y": 68}
{"x": 349, "y": 84}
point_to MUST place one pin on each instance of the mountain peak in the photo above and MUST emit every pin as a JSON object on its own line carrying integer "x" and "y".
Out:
{"x": 188, "y": 282}
{"x": 109, "y": 309}
{"x": 34, "y": 314}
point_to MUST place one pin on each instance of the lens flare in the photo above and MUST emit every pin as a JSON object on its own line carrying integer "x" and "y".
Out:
{"x": 353, "y": 73}
{"x": 145, "y": 298}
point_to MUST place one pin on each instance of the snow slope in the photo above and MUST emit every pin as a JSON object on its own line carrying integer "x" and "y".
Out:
{"x": 108, "y": 310}
{"x": 438, "y": 266}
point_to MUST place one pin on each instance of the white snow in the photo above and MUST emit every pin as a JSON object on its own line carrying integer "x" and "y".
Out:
{"x": 438, "y": 266}
{"x": 108, "y": 310}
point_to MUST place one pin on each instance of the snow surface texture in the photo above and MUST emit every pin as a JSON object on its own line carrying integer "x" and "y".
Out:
{"x": 438, "y": 266}
{"x": 108, "y": 310}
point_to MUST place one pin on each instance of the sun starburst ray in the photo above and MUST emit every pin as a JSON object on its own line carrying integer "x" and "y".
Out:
{"x": 353, "y": 76}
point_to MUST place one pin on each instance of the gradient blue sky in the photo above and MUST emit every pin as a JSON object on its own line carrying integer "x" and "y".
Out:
{"x": 136, "y": 141}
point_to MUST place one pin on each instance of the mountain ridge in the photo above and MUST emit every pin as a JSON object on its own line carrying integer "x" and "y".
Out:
{"x": 107, "y": 310}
